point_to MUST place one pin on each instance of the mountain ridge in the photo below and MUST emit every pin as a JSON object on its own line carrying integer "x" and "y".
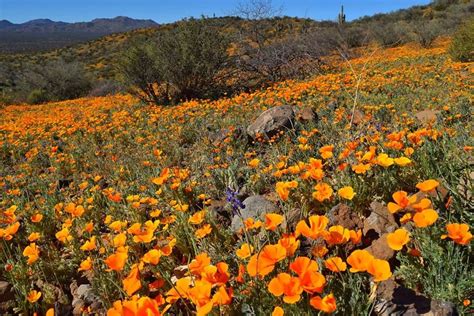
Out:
{"x": 45, "y": 34}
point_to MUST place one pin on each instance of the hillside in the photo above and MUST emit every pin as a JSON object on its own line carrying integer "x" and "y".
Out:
{"x": 108, "y": 204}
{"x": 44, "y": 34}
{"x": 100, "y": 55}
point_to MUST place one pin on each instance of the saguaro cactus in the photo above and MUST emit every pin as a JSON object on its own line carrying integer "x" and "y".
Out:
{"x": 341, "y": 17}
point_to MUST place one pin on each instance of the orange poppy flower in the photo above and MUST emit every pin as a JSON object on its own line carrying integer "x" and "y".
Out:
{"x": 119, "y": 240}
{"x": 355, "y": 236}
{"x": 9, "y": 231}
{"x": 180, "y": 290}
{"x": 402, "y": 201}
{"x": 199, "y": 263}
{"x": 245, "y": 251}
{"x": 428, "y": 185}
{"x": 359, "y": 260}
{"x": 317, "y": 225}
{"x": 361, "y": 168}
{"x": 402, "y": 161}
{"x": 117, "y": 260}
{"x": 301, "y": 265}
{"x": 254, "y": 163}
{"x": 326, "y": 151}
{"x": 425, "y": 218}
{"x": 459, "y": 233}
{"x": 323, "y": 191}
{"x": 63, "y": 235}
{"x": 222, "y": 296}
{"x": 286, "y": 285}
{"x": 264, "y": 262}
{"x": 85, "y": 265}
{"x": 250, "y": 223}
{"x": 272, "y": 221}
{"x": 203, "y": 231}
{"x": 379, "y": 269}
{"x": 32, "y": 252}
{"x": 290, "y": 243}
{"x": 132, "y": 283}
{"x": 421, "y": 205}
{"x": 311, "y": 280}
{"x": 346, "y": 193}
{"x": 319, "y": 251}
{"x": 36, "y": 218}
{"x": 278, "y": 311}
{"x": 335, "y": 264}
{"x": 326, "y": 304}
{"x": 34, "y": 236}
{"x": 89, "y": 245}
{"x": 240, "y": 277}
{"x": 33, "y": 296}
{"x": 152, "y": 257}
{"x": 283, "y": 189}
{"x": 197, "y": 217}
{"x": 398, "y": 239}
{"x": 384, "y": 160}
{"x": 337, "y": 235}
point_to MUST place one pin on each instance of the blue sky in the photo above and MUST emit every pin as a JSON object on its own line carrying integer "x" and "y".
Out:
{"x": 163, "y": 11}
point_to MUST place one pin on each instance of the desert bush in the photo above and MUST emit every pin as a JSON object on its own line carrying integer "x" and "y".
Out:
{"x": 188, "y": 61}
{"x": 194, "y": 60}
{"x": 425, "y": 32}
{"x": 37, "y": 96}
{"x": 54, "y": 81}
{"x": 295, "y": 56}
{"x": 139, "y": 69}
{"x": 462, "y": 45}
{"x": 388, "y": 34}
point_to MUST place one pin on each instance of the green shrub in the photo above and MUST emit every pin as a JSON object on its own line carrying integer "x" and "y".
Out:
{"x": 37, "y": 96}
{"x": 462, "y": 46}
{"x": 426, "y": 32}
{"x": 186, "y": 62}
{"x": 54, "y": 81}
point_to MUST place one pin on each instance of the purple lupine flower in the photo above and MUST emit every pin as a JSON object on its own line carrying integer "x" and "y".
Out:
{"x": 231, "y": 197}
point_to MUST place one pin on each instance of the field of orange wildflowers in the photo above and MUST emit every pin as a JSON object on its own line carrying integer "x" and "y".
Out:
{"x": 109, "y": 206}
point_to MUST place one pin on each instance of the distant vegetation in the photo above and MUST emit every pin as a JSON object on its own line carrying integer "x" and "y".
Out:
{"x": 462, "y": 46}
{"x": 261, "y": 49}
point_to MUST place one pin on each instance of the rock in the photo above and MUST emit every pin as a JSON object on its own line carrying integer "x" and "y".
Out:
{"x": 256, "y": 207}
{"x": 427, "y": 116}
{"x": 394, "y": 299}
{"x": 380, "y": 249}
{"x": 358, "y": 118}
{"x": 221, "y": 135}
{"x": 306, "y": 114}
{"x": 84, "y": 296}
{"x": 6, "y": 292}
{"x": 332, "y": 105}
{"x": 379, "y": 221}
{"x": 341, "y": 214}
{"x": 7, "y": 298}
{"x": 272, "y": 121}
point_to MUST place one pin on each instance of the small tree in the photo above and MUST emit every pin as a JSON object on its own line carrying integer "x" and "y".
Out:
{"x": 188, "y": 61}
{"x": 462, "y": 46}
{"x": 141, "y": 71}
{"x": 54, "y": 81}
{"x": 194, "y": 60}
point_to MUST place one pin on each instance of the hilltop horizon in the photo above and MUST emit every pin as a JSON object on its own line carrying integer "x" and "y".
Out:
{"x": 19, "y": 12}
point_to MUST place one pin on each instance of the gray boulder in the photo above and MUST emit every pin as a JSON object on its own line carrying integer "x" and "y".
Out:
{"x": 256, "y": 207}
{"x": 272, "y": 121}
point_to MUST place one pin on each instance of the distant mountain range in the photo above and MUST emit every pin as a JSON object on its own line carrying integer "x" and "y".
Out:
{"x": 44, "y": 34}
